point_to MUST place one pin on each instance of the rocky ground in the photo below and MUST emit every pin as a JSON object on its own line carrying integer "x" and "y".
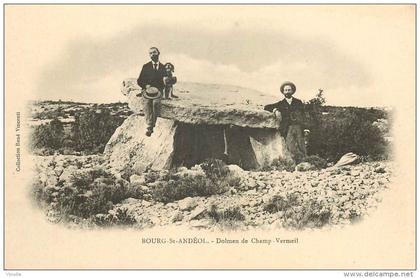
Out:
{"x": 332, "y": 196}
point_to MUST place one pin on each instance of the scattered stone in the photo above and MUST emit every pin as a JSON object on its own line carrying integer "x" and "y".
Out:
{"x": 251, "y": 192}
{"x": 202, "y": 223}
{"x": 178, "y": 216}
{"x": 68, "y": 173}
{"x": 51, "y": 181}
{"x": 197, "y": 212}
{"x": 236, "y": 171}
{"x": 305, "y": 166}
{"x": 251, "y": 184}
{"x": 253, "y": 203}
{"x": 347, "y": 159}
{"x": 380, "y": 170}
{"x": 261, "y": 184}
{"x": 187, "y": 203}
{"x": 155, "y": 220}
{"x": 136, "y": 179}
{"x": 58, "y": 171}
{"x": 130, "y": 201}
{"x": 145, "y": 203}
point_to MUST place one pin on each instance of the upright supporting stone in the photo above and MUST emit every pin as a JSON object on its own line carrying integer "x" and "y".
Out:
{"x": 268, "y": 145}
{"x": 130, "y": 150}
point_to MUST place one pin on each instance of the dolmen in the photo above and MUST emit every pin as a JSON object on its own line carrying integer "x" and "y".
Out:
{"x": 206, "y": 121}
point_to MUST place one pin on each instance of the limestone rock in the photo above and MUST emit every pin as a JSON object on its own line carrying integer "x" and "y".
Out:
{"x": 347, "y": 159}
{"x": 268, "y": 145}
{"x": 197, "y": 212}
{"x": 130, "y": 201}
{"x": 236, "y": 170}
{"x": 187, "y": 203}
{"x": 68, "y": 173}
{"x": 178, "y": 216}
{"x": 202, "y": 223}
{"x": 129, "y": 149}
{"x": 137, "y": 179}
{"x": 51, "y": 181}
{"x": 305, "y": 166}
{"x": 380, "y": 169}
{"x": 225, "y": 103}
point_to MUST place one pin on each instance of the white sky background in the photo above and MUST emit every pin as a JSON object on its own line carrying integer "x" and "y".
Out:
{"x": 360, "y": 56}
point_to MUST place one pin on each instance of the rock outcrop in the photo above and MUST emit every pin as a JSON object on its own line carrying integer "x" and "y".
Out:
{"x": 207, "y": 121}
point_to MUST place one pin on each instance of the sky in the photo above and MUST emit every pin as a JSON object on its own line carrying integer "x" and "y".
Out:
{"x": 359, "y": 56}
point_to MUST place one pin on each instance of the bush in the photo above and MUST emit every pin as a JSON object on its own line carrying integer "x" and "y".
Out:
{"x": 317, "y": 161}
{"x": 171, "y": 186}
{"x": 48, "y": 135}
{"x": 298, "y": 213}
{"x": 214, "y": 169}
{"x": 93, "y": 130}
{"x": 87, "y": 194}
{"x": 225, "y": 215}
{"x": 89, "y": 133}
{"x": 190, "y": 186}
{"x": 281, "y": 164}
{"x": 339, "y": 130}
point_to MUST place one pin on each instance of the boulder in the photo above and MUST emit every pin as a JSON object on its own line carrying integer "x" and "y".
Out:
{"x": 347, "y": 159}
{"x": 305, "y": 166}
{"x": 136, "y": 179}
{"x": 197, "y": 212}
{"x": 187, "y": 203}
{"x": 225, "y": 103}
{"x": 130, "y": 148}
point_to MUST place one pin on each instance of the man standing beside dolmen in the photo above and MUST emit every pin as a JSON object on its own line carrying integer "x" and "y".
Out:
{"x": 290, "y": 112}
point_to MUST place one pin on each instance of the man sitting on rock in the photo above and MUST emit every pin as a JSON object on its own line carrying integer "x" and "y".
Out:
{"x": 151, "y": 83}
{"x": 290, "y": 112}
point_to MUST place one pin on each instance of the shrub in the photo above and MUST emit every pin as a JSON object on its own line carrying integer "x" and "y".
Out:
{"x": 170, "y": 186}
{"x": 279, "y": 203}
{"x": 225, "y": 215}
{"x": 214, "y": 168}
{"x": 122, "y": 216}
{"x": 309, "y": 214}
{"x": 339, "y": 130}
{"x": 92, "y": 130}
{"x": 298, "y": 213}
{"x": 48, "y": 135}
{"x": 317, "y": 161}
{"x": 281, "y": 164}
{"x": 189, "y": 186}
{"x": 87, "y": 194}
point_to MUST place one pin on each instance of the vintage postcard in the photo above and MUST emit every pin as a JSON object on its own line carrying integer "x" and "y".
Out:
{"x": 209, "y": 136}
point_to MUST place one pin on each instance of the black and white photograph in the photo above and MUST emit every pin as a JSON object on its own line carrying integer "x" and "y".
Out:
{"x": 249, "y": 130}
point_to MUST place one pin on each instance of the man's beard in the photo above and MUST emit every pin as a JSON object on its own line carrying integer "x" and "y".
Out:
{"x": 288, "y": 95}
{"x": 155, "y": 58}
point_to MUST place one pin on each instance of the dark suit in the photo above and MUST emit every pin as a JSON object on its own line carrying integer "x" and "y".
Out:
{"x": 290, "y": 113}
{"x": 292, "y": 121}
{"x": 152, "y": 77}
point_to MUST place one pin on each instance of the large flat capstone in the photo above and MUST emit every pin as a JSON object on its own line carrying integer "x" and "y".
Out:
{"x": 209, "y": 104}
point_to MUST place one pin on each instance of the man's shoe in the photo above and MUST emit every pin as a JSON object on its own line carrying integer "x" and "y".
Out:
{"x": 148, "y": 133}
{"x": 174, "y": 96}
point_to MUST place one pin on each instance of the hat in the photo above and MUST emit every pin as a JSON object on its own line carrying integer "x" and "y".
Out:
{"x": 152, "y": 93}
{"x": 290, "y": 84}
